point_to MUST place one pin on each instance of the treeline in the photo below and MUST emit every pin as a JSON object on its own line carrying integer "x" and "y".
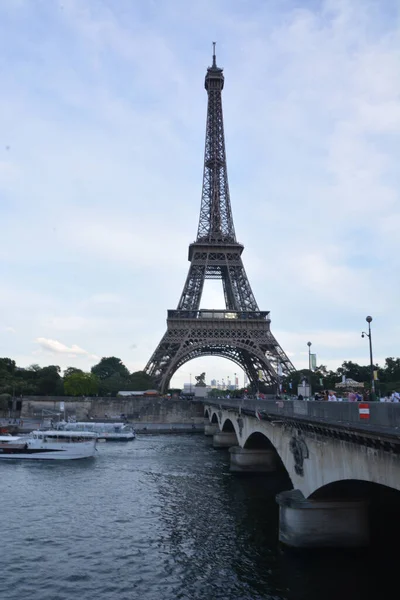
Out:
{"x": 323, "y": 379}
{"x": 110, "y": 376}
{"x": 106, "y": 378}
{"x": 388, "y": 376}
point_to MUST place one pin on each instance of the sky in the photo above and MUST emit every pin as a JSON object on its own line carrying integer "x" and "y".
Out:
{"x": 102, "y": 125}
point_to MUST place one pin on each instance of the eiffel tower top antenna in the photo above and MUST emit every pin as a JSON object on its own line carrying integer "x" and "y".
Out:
{"x": 216, "y": 221}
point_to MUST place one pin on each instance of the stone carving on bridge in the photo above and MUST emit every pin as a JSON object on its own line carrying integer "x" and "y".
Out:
{"x": 200, "y": 380}
{"x": 240, "y": 425}
{"x": 299, "y": 449}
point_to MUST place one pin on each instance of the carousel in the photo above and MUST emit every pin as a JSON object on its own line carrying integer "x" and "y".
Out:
{"x": 349, "y": 385}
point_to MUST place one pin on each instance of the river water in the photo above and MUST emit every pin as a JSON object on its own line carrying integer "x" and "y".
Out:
{"x": 159, "y": 518}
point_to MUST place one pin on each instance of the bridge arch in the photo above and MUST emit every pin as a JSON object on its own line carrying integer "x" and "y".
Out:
{"x": 258, "y": 440}
{"x": 383, "y": 502}
{"x": 228, "y": 426}
{"x": 355, "y": 488}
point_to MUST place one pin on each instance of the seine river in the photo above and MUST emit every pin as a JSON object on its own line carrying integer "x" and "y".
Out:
{"x": 159, "y": 518}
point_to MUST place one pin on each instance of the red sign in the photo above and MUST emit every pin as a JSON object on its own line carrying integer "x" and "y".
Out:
{"x": 363, "y": 410}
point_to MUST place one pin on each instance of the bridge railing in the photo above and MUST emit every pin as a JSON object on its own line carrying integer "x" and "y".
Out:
{"x": 373, "y": 415}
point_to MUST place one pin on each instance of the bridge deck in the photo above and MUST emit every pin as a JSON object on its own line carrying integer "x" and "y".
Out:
{"x": 383, "y": 421}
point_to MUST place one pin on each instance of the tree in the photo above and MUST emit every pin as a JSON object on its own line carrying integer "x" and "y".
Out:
{"x": 112, "y": 374}
{"x": 354, "y": 371}
{"x": 141, "y": 381}
{"x": 113, "y": 384}
{"x": 49, "y": 381}
{"x": 70, "y": 370}
{"x": 4, "y": 402}
{"x": 392, "y": 369}
{"x": 79, "y": 383}
{"x": 26, "y": 381}
{"x": 108, "y": 366}
{"x": 321, "y": 379}
{"x": 7, "y": 365}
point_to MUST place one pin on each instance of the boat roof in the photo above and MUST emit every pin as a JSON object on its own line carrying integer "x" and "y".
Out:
{"x": 91, "y": 423}
{"x": 53, "y": 432}
{"x": 9, "y": 438}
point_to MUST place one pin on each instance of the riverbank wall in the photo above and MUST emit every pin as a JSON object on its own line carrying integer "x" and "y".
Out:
{"x": 150, "y": 415}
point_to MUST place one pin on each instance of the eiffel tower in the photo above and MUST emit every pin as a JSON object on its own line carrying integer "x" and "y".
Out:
{"x": 242, "y": 332}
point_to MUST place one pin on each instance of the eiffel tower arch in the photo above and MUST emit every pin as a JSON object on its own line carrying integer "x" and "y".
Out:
{"x": 241, "y": 332}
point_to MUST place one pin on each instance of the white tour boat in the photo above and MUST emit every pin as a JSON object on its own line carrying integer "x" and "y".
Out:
{"x": 49, "y": 445}
{"x": 113, "y": 432}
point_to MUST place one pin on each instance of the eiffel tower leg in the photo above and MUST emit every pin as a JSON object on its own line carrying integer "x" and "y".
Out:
{"x": 246, "y": 341}
{"x": 193, "y": 289}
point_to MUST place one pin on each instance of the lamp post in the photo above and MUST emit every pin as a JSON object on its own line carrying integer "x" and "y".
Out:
{"x": 190, "y": 382}
{"x": 371, "y": 362}
{"x": 309, "y": 364}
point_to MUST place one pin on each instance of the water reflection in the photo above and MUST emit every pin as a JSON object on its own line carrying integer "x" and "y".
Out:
{"x": 160, "y": 518}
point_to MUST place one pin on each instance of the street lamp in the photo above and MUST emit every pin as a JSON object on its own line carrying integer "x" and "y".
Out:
{"x": 371, "y": 362}
{"x": 309, "y": 366}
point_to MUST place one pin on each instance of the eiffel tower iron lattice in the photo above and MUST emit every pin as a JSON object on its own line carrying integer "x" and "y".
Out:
{"x": 242, "y": 332}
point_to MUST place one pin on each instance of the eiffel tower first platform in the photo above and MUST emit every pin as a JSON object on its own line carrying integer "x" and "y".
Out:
{"x": 242, "y": 332}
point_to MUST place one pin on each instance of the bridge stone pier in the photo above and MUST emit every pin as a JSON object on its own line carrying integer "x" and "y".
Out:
{"x": 342, "y": 464}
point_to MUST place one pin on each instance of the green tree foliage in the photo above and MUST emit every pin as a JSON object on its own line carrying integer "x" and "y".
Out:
{"x": 324, "y": 379}
{"x": 49, "y": 381}
{"x": 69, "y": 370}
{"x": 7, "y": 365}
{"x": 110, "y": 376}
{"x": 354, "y": 371}
{"x": 113, "y": 384}
{"x": 109, "y": 366}
{"x": 391, "y": 369}
{"x": 113, "y": 376}
{"x": 4, "y": 402}
{"x": 34, "y": 380}
{"x": 141, "y": 381}
{"x": 7, "y": 374}
{"x": 78, "y": 383}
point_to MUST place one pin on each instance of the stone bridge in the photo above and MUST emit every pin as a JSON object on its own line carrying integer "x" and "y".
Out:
{"x": 337, "y": 465}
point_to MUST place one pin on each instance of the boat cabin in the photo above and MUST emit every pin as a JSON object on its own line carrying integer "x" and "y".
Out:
{"x": 63, "y": 437}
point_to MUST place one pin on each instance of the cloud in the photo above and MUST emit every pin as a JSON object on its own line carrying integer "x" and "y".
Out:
{"x": 312, "y": 124}
{"x": 10, "y": 329}
{"x": 56, "y": 347}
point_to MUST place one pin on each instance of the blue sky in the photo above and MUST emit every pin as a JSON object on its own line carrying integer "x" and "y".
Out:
{"x": 102, "y": 121}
